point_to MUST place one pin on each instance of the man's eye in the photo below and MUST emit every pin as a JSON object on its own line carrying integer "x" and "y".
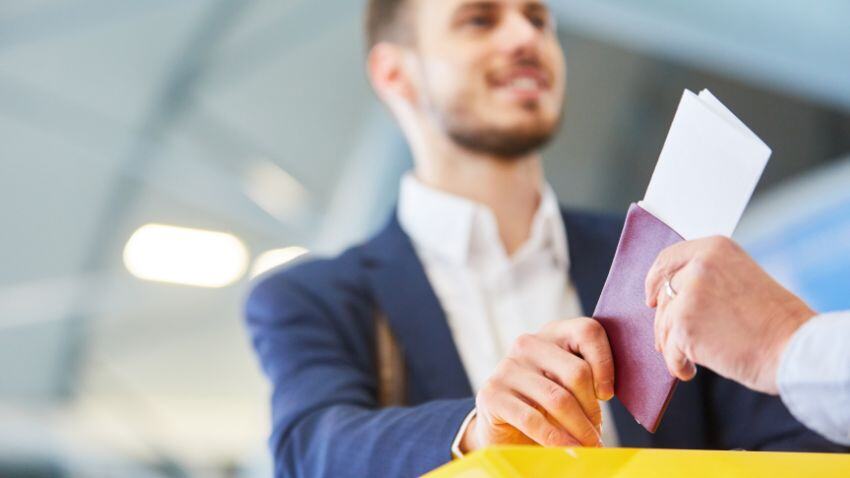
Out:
{"x": 480, "y": 21}
{"x": 540, "y": 22}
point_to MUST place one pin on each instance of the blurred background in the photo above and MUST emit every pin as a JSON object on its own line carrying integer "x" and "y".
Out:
{"x": 156, "y": 155}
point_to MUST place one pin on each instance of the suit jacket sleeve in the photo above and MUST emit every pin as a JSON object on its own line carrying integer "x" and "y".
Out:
{"x": 316, "y": 345}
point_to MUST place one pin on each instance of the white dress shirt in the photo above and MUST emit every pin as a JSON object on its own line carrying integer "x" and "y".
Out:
{"x": 814, "y": 375}
{"x": 489, "y": 297}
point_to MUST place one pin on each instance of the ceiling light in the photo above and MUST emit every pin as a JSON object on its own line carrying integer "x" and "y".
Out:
{"x": 186, "y": 256}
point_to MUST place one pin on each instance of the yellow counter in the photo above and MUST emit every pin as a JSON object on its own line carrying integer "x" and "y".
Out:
{"x": 514, "y": 462}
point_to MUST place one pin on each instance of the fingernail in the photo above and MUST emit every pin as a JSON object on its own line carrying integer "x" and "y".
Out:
{"x": 605, "y": 391}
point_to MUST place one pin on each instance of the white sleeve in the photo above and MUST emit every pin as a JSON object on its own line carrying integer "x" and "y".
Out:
{"x": 814, "y": 376}
{"x": 456, "y": 453}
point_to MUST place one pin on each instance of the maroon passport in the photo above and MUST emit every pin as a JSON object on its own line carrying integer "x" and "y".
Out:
{"x": 641, "y": 380}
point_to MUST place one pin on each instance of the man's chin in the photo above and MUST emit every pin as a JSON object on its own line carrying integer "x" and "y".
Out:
{"x": 507, "y": 143}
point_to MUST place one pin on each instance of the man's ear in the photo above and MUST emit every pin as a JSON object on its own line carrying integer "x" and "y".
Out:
{"x": 389, "y": 72}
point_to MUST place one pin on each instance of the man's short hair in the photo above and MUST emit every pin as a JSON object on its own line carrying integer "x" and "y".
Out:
{"x": 388, "y": 20}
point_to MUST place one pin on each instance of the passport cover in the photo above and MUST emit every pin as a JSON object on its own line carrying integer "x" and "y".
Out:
{"x": 641, "y": 380}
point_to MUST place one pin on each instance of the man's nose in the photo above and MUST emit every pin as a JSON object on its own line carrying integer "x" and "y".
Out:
{"x": 517, "y": 33}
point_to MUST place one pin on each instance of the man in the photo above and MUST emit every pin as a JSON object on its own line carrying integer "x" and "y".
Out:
{"x": 480, "y": 276}
{"x": 716, "y": 307}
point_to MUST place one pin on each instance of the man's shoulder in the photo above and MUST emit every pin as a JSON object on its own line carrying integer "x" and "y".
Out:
{"x": 313, "y": 277}
{"x": 330, "y": 282}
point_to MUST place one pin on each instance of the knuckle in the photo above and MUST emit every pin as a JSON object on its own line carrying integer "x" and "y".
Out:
{"x": 553, "y": 437}
{"x": 557, "y": 397}
{"x": 527, "y": 419}
{"x": 718, "y": 247}
{"x": 735, "y": 248}
{"x": 523, "y": 344}
{"x": 588, "y": 435}
{"x": 687, "y": 350}
{"x": 593, "y": 329}
{"x": 581, "y": 374}
{"x": 705, "y": 260}
{"x": 488, "y": 390}
{"x": 585, "y": 327}
{"x": 714, "y": 241}
{"x": 702, "y": 263}
{"x": 717, "y": 243}
{"x": 503, "y": 370}
{"x": 596, "y": 416}
{"x": 550, "y": 326}
{"x": 723, "y": 244}
{"x": 482, "y": 401}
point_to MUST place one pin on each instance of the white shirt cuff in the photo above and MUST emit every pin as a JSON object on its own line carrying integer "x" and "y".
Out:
{"x": 456, "y": 453}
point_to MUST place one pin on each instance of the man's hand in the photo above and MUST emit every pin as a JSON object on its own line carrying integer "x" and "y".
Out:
{"x": 727, "y": 313}
{"x": 546, "y": 390}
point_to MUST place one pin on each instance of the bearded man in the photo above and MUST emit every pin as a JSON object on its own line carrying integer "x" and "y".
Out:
{"x": 480, "y": 279}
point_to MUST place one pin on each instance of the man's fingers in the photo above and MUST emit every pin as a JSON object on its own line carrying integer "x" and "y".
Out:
{"x": 570, "y": 372}
{"x": 558, "y": 403}
{"x": 576, "y": 375}
{"x": 665, "y": 339}
{"x": 658, "y": 329}
{"x": 586, "y": 337}
{"x": 677, "y": 362}
{"x": 661, "y": 324}
{"x": 531, "y": 422}
{"x": 665, "y": 266}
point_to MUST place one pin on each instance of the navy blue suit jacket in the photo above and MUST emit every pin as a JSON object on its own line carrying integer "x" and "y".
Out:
{"x": 312, "y": 326}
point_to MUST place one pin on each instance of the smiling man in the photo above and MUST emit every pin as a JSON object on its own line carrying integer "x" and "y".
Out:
{"x": 481, "y": 277}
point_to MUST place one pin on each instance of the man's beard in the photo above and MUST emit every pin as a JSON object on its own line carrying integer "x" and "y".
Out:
{"x": 508, "y": 144}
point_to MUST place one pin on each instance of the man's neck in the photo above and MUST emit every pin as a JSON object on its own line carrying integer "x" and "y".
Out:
{"x": 510, "y": 188}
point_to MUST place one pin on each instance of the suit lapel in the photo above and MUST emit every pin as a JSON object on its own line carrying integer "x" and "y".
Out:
{"x": 416, "y": 317}
{"x": 589, "y": 259}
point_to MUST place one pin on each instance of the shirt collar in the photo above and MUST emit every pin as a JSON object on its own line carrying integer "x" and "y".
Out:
{"x": 455, "y": 227}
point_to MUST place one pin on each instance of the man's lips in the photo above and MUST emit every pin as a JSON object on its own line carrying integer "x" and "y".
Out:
{"x": 522, "y": 81}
